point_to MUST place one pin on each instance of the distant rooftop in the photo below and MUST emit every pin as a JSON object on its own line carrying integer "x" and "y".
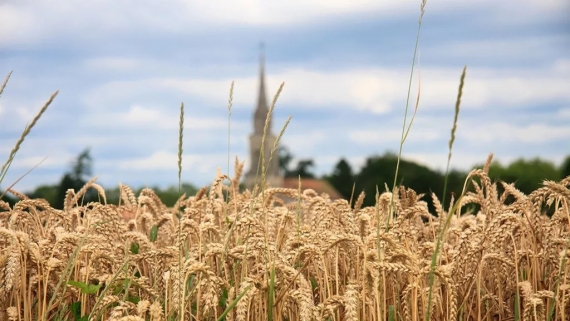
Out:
{"x": 318, "y": 185}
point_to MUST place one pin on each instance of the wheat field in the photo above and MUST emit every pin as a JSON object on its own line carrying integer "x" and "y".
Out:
{"x": 229, "y": 255}
{"x": 491, "y": 253}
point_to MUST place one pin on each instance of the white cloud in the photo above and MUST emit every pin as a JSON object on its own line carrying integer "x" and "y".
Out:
{"x": 114, "y": 64}
{"x": 47, "y": 161}
{"x": 284, "y": 13}
{"x": 514, "y": 91}
{"x": 19, "y": 110}
{"x": 29, "y": 22}
{"x": 372, "y": 90}
{"x": 505, "y": 132}
{"x": 497, "y": 48}
{"x": 17, "y": 25}
{"x": 377, "y": 90}
{"x": 164, "y": 160}
{"x": 391, "y": 135}
{"x": 154, "y": 117}
{"x": 304, "y": 142}
{"x": 158, "y": 160}
{"x": 564, "y": 113}
{"x": 562, "y": 66}
{"x": 138, "y": 115}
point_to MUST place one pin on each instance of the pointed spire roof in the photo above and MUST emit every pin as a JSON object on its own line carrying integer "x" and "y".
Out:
{"x": 262, "y": 108}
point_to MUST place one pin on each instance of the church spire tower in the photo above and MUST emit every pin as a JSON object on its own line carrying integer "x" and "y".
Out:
{"x": 273, "y": 177}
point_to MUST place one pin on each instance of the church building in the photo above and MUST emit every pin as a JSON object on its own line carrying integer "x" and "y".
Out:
{"x": 274, "y": 176}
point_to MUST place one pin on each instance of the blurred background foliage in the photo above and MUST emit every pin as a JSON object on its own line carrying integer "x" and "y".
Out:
{"x": 376, "y": 173}
{"x": 80, "y": 172}
{"x": 527, "y": 176}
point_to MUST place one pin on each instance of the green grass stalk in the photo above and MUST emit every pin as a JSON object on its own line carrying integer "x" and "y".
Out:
{"x": 230, "y": 102}
{"x": 453, "y": 129}
{"x": 422, "y": 8}
{"x": 552, "y": 304}
{"x": 180, "y": 275}
{"x": 261, "y": 165}
{"x": 455, "y": 206}
{"x": 233, "y": 304}
{"x": 265, "y": 132}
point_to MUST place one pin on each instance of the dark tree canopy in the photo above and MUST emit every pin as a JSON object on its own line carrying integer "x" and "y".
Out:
{"x": 565, "y": 168}
{"x": 304, "y": 169}
{"x": 527, "y": 175}
{"x": 379, "y": 171}
{"x": 75, "y": 179}
{"x": 342, "y": 178}
{"x": 47, "y": 192}
{"x": 285, "y": 158}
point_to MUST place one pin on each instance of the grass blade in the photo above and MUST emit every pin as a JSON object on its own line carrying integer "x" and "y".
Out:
{"x": 233, "y": 304}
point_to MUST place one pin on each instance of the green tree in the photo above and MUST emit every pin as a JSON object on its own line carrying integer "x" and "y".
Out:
{"x": 527, "y": 175}
{"x": 303, "y": 169}
{"x": 75, "y": 179}
{"x": 285, "y": 158}
{"x": 47, "y": 192}
{"x": 455, "y": 181}
{"x": 170, "y": 195}
{"x": 342, "y": 178}
{"x": 379, "y": 171}
{"x": 565, "y": 168}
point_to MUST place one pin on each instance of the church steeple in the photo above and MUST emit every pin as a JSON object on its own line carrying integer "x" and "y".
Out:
{"x": 253, "y": 177}
{"x": 262, "y": 108}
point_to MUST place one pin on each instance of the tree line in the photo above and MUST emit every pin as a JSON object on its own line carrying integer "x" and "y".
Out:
{"x": 378, "y": 170}
{"x": 79, "y": 172}
{"x": 377, "y": 173}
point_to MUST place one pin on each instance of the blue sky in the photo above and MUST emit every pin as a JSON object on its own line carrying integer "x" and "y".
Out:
{"x": 124, "y": 67}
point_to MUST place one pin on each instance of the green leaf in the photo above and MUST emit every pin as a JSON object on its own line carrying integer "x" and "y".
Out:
{"x": 135, "y": 248}
{"x": 85, "y": 288}
{"x": 314, "y": 284}
{"x": 79, "y": 285}
{"x": 134, "y": 299}
{"x": 271, "y": 293}
{"x": 118, "y": 288}
{"x": 76, "y": 310}
{"x": 391, "y": 313}
{"x": 233, "y": 304}
{"x": 223, "y": 298}
{"x": 91, "y": 289}
{"x": 153, "y": 233}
